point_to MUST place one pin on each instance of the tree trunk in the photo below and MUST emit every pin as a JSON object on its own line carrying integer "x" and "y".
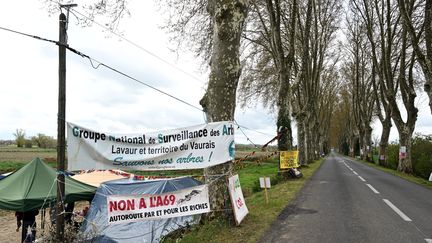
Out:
{"x": 428, "y": 86}
{"x": 220, "y": 98}
{"x": 423, "y": 58}
{"x": 361, "y": 144}
{"x": 301, "y": 140}
{"x": 307, "y": 143}
{"x": 367, "y": 143}
{"x": 284, "y": 126}
{"x": 405, "y": 163}
{"x": 351, "y": 146}
{"x": 386, "y": 124}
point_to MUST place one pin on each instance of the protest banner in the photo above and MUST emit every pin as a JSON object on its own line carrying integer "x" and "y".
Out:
{"x": 194, "y": 147}
{"x": 288, "y": 159}
{"x": 237, "y": 199}
{"x": 132, "y": 208}
{"x": 402, "y": 152}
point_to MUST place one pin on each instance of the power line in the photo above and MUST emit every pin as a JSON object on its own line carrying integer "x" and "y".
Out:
{"x": 137, "y": 46}
{"x": 28, "y": 35}
{"x": 126, "y": 75}
{"x": 136, "y": 80}
{"x": 250, "y": 129}
{"x": 101, "y": 64}
{"x": 241, "y": 130}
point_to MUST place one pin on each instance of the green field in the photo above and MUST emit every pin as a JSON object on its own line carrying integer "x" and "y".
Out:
{"x": 13, "y": 158}
{"x": 260, "y": 217}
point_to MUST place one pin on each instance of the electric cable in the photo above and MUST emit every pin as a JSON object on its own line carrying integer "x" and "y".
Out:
{"x": 28, "y": 35}
{"x": 137, "y": 46}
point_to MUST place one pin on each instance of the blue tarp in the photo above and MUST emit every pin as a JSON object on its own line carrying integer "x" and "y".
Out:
{"x": 96, "y": 228}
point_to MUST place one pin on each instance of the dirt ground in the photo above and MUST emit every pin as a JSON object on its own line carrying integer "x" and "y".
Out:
{"x": 8, "y": 224}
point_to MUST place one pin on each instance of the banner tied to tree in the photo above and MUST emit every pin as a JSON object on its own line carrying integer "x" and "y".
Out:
{"x": 194, "y": 147}
{"x": 288, "y": 159}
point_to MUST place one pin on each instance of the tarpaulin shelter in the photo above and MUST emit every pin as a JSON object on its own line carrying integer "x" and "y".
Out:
{"x": 95, "y": 178}
{"x": 34, "y": 186}
{"x": 97, "y": 229}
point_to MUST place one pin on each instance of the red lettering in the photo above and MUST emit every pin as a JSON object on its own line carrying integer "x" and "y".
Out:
{"x": 159, "y": 201}
{"x": 112, "y": 206}
{"x": 142, "y": 203}
{"x": 239, "y": 203}
{"x": 126, "y": 205}
{"x": 121, "y": 205}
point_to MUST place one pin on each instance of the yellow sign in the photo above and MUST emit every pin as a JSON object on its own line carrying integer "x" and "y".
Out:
{"x": 288, "y": 159}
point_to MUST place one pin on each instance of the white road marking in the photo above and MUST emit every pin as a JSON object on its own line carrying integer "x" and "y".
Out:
{"x": 355, "y": 172}
{"x": 361, "y": 178}
{"x": 400, "y": 213}
{"x": 428, "y": 240}
{"x": 372, "y": 188}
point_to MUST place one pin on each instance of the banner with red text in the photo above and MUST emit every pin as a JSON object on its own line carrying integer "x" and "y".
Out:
{"x": 194, "y": 147}
{"x": 132, "y": 208}
{"x": 237, "y": 199}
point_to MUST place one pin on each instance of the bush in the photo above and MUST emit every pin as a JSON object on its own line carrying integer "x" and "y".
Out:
{"x": 422, "y": 156}
{"x": 28, "y": 143}
{"x": 393, "y": 156}
{"x": 43, "y": 141}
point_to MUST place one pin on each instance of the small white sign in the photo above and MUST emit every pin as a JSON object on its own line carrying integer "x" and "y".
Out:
{"x": 430, "y": 177}
{"x": 402, "y": 152}
{"x": 265, "y": 182}
{"x": 237, "y": 199}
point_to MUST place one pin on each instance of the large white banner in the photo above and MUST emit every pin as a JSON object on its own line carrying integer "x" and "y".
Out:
{"x": 185, "y": 148}
{"x": 237, "y": 199}
{"x": 132, "y": 208}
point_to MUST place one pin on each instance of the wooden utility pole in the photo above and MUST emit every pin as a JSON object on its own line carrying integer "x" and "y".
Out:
{"x": 61, "y": 124}
{"x": 61, "y": 118}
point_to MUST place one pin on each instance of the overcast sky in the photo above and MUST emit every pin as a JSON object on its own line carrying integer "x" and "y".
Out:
{"x": 100, "y": 99}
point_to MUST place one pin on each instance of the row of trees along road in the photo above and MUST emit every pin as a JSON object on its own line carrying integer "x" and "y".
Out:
{"x": 292, "y": 57}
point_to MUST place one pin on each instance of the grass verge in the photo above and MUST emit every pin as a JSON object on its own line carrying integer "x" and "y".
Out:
{"x": 260, "y": 216}
{"x": 405, "y": 176}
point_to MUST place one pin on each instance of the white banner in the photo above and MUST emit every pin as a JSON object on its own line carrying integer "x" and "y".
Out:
{"x": 132, "y": 208}
{"x": 237, "y": 199}
{"x": 194, "y": 147}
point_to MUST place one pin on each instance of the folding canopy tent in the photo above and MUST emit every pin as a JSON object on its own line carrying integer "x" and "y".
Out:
{"x": 34, "y": 186}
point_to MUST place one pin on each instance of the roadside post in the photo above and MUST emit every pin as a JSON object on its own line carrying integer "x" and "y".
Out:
{"x": 265, "y": 183}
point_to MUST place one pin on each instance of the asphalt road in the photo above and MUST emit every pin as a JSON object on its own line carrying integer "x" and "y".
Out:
{"x": 346, "y": 201}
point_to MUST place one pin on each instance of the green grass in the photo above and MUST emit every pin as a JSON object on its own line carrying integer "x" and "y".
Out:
{"x": 250, "y": 174}
{"x": 13, "y": 158}
{"x": 405, "y": 176}
{"x": 13, "y": 154}
{"x": 261, "y": 215}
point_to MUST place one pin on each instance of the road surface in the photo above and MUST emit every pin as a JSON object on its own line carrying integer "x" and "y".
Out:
{"x": 347, "y": 201}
